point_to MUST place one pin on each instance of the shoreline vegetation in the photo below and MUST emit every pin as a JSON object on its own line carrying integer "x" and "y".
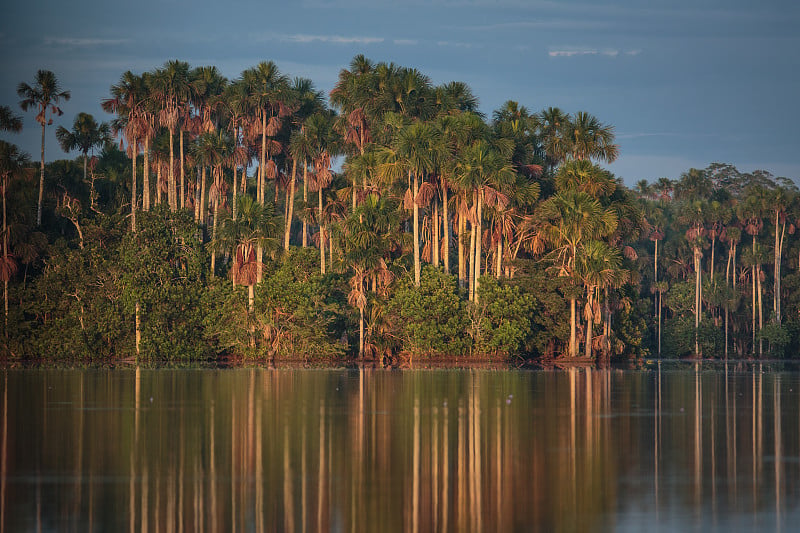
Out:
{"x": 390, "y": 221}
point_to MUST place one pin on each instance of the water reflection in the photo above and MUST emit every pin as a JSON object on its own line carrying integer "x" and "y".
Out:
{"x": 355, "y": 450}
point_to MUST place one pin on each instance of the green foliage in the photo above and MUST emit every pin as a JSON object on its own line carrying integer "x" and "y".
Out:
{"x": 433, "y": 318}
{"x": 164, "y": 268}
{"x": 502, "y": 318}
{"x": 679, "y": 336}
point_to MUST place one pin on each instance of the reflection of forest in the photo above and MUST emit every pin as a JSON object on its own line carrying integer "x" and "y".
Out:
{"x": 318, "y": 450}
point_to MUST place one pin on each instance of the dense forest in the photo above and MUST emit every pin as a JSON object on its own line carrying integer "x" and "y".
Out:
{"x": 258, "y": 218}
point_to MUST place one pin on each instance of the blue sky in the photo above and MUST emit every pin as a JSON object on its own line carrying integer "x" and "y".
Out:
{"x": 685, "y": 83}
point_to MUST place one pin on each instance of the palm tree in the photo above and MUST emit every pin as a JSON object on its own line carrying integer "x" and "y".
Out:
{"x": 570, "y": 218}
{"x": 485, "y": 172}
{"x": 12, "y": 160}
{"x": 552, "y": 128}
{"x": 255, "y": 227}
{"x": 127, "y": 100}
{"x": 598, "y": 266}
{"x": 43, "y": 96}
{"x": 9, "y": 121}
{"x": 172, "y": 90}
{"x": 370, "y": 234}
{"x": 589, "y": 139}
{"x": 85, "y": 135}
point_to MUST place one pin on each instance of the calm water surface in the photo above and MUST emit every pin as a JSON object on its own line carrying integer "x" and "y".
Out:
{"x": 689, "y": 448}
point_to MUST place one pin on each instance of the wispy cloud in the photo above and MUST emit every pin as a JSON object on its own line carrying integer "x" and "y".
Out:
{"x": 575, "y": 51}
{"x": 334, "y": 39}
{"x": 406, "y": 42}
{"x": 456, "y": 44}
{"x": 82, "y": 41}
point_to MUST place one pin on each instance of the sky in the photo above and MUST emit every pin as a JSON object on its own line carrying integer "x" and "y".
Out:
{"x": 684, "y": 82}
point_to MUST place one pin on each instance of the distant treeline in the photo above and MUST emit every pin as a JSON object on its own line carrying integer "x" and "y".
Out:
{"x": 254, "y": 218}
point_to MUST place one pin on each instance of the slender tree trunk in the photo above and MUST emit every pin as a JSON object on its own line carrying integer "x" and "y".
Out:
{"x": 305, "y": 202}
{"x": 263, "y": 162}
{"x": 146, "y": 175}
{"x": 446, "y": 228}
{"x": 85, "y": 164}
{"x": 776, "y": 306}
{"x": 462, "y": 267}
{"x": 158, "y": 184}
{"x": 321, "y": 236}
{"x": 235, "y": 194}
{"x": 290, "y": 201}
{"x": 203, "y": 196}
{"x": 435, "y": 242}
{"x": 218, "y": 184}
{"x": 414, "y": 191}
{"x": 573, "y": 333}
{"x": 478, "y": 239}
{"x": 498, "y": 268}
{"x": 713, "y": 242}
{"x": 760, "y": 314}
{"x": 589, "y": 321}
{"x": 471, "y": 262}
{"x": 5, "y": 256}
{"x": 41, "y": 183}
{"x": 697, "y": 300}
{"x": 173, "y": 190}
{"x": 134, "y": 151}
{"x": 183, "y": 176}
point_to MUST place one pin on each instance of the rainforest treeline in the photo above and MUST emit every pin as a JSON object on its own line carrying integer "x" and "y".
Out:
{"x": 258, "y": 218}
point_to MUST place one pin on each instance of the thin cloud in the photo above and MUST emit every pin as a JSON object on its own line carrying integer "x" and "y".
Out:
{"x": 406, "y": 42}
{"x": 334, "y": 39}
{"x": 83, "y": 42}
{"x": 576, "y": 51}
{"x": 456, "y": 44}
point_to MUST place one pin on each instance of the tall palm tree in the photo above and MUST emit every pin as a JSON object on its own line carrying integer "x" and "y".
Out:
{"x": 127, "y": 100}
{"x": 85, "y": 135}
{"x": 570, "y": 218}
{"x": 172, "y": 90}
{"x": 43, "y": 96}
{"x": 12, "y": 160}
{"x": 598, "y": 266}
{"x": 485, "y": 172}
{"x": 552, "y": 128}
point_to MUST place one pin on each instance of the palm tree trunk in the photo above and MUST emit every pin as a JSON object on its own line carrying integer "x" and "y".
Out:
{"x": 263, "y": 162}
{"x": 235, "y": 192}
{"x": 589, "y": 321}
{"x": 361, "y": 332}
{"x": 305, "y": 202}
{"x": 290, "y": 201}
{"x": 145, "y": 175}
{"x": 498, "y": 267}
{"x": 5, "y": 256}
{"x": 760, "y": 314}
{"x": 573, "y": 333}
{"x": 203, "y": 196}
{"x": 85, "y": 163}
{"x": 478, "y": 239}
{"x": 173, "y": 191}
{"x": 462, "y": 267}
{"x": 776, "y": 306}
{"x": 435, "y": 242}
{"x": 133, "y": 186}
{"x": 183, "y": 176}
{"x": 321, "y": 236}
{"x": 41, "y": 183}
{"x": 472, "y": 263}
{"x": 216, "y": 217}
{"x": 697, "y": 299}
{"x": 446, "y": 228}
{"x": 417, "y": 269}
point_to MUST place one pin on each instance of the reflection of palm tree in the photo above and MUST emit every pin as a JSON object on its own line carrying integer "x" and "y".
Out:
{"x": 85, "y": 135}
{"x": 43, "y": 96}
